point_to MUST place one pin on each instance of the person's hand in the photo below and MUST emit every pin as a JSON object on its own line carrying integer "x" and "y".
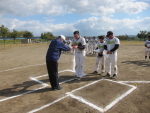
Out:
{"x": 75, "y": 47}
{"x": 108, "y": 52}
{"x": 71, "y": 47}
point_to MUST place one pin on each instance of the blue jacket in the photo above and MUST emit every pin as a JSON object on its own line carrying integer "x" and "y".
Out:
{"x": 55, "y": 48}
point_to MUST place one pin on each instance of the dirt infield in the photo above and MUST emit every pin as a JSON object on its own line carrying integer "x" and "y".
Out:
{"x": 24, "y": 80}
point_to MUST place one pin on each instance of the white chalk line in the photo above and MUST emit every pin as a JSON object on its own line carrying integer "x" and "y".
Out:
{"x": 144, "y": 82}
{"x": 80, "y": 99}
{"x": 86, "y": 85}
{"x": 34, "y": 79}
{"x": 86, "y": 102}
{"x": 58, "y": 72}
{"x": 22, "y": 67}
{"x": 121, "y": 97}
{"x": 21, "y": 94}
{"x": 47, "y": 105}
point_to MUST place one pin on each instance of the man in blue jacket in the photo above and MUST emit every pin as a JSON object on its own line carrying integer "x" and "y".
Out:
{"x": 53, "y": 54}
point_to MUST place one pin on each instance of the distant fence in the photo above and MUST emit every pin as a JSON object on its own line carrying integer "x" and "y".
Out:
{"x": 21, "y": 45}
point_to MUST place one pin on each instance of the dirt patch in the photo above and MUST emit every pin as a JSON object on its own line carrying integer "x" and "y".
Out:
{"x": 102, "y": 93}
{"x": 69, "y": 105}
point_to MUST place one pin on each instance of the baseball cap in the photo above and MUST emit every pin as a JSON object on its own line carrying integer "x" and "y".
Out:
{"x": 109, "y": 33}
{"x": 63, "y": 37}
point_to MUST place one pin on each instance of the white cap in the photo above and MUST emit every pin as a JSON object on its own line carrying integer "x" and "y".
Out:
{"x": 63, "y": 37}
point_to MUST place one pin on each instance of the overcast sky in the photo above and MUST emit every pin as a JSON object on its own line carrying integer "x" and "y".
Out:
{"x": 90, "y": 17}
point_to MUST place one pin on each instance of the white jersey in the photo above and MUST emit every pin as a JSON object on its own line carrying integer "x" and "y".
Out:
{"x": 100, "y": 46}
{"x": 147, "y": 42}
{"x": 111, "y": 43}
{"x": 77, "y": 41}
{"x": 90, "y": 42}
{"x": 94, "y": 41}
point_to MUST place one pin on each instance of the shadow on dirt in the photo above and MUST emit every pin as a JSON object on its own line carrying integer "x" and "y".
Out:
{"x": 139, "y": 63}
{"x": 18, "y": 89}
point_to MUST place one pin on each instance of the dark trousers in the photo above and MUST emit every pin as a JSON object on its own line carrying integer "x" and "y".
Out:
{"x": 52, "y": 68}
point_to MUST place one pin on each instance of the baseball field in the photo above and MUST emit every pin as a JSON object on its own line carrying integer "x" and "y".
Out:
{"x": 24, "y": 83}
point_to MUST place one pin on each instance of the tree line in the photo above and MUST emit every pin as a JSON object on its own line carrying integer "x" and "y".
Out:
{"x": 6, "y": 33}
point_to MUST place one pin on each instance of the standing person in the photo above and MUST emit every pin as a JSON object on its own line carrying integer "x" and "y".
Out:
{"x": 53, "y": 54}
{"x": 100, "y": 58}
{"x": 94, "y": 45}
{"x": 90, "y": 46}
{"x": 78, "y": 43}
{"x": 111, "y": 46}
{"x": 86, "y": 46}
{"x": 147, "y": 45}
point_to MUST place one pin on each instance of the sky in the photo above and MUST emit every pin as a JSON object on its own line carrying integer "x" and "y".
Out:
{"x": 89, "y": 17}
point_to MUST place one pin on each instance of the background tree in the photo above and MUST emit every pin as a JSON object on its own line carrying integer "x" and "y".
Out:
{"x": 15, "y": 34}
{"x": 47, "y": 36}
{"x": 27, "y": 34}
{"x": 142, "y": 35}
{"x": 4, "y": 33}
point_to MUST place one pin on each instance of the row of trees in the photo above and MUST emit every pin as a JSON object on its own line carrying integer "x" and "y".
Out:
{"x": 47, "y": 36}
{"x": 123, "y": 37}
{"x": 6, "y": 33}
{"x": 143, "y": 35}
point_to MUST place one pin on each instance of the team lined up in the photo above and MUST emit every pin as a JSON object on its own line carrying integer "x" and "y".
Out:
{"x": 106, "y": 49}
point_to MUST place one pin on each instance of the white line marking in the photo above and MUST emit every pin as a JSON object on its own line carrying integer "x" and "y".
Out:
{"x": 35, "y": 110}
{"x": 135, "y": 81}
{"x": 21, "y": 94}
{"x": 86, "y": 102}
{"x": 86, "y": 85}
{"x": 22, "y": 67}
{"x": 120, "y": 83}
{"x": 38, "y": 81}
{"x": 118, "y": 99}
{"x": 34, "y": 79}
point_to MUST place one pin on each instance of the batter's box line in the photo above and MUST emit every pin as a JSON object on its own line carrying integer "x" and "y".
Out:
{"x": 43, "y": 84}
{"x": 102, "y": 110}
{"x": 80, "y": 99}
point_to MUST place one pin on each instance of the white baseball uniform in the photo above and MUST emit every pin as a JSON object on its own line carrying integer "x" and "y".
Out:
{"x": 90, "y": 46}
{"x": 94, "y": 44}
{"x": 100, "y": 60}
{"x": 147, "y": 51}
{"x": 86, "y": 46}
{"x": 111, "y": 61}
{"x": 79, "y": 57}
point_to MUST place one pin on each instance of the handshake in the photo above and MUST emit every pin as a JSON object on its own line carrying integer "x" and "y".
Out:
{"x": 74, "y": 47}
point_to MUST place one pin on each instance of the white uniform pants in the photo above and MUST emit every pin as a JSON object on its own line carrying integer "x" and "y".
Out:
{"x": 111, "y": 63}
{"x": 94, "y": 47}
{"x": 90, "y": 48}
{"x": 86, "y": 47}
{"x": 100, "y": 61}
{"x": 79, "y": 59}
{"x": 147, "y": 52}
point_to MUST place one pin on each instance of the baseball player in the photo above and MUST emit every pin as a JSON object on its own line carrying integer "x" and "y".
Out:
{"x": 147, "y": 45}
{"x": 90, "y": 46}
{"x": 111, "y": 46}
{"x": 78, "y": 43}
{"x": 94, "y": 42}
{"x": 86, "y": 46}
{"x": 100, "y": 58}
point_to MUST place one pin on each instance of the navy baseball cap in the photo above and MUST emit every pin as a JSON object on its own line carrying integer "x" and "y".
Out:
{"x": 109, "y": 33}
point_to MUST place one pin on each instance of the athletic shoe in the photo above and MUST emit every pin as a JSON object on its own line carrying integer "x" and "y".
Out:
{"x": 95, "y": 72}
{"x": 107, "y": 75}
{"x": 114, "y": 76}
{"x": 101, "y": 73}
{"x": 60, "y": 88}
